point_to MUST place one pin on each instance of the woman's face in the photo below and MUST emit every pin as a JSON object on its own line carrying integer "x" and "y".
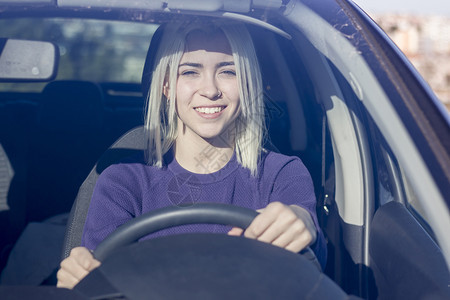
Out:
{"x": 207, "y": 89}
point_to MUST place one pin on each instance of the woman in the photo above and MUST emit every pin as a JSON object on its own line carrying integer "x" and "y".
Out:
{"x": 205, "y": 124}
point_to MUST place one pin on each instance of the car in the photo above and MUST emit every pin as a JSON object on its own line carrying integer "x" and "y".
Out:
{"x": 338, "y": 93}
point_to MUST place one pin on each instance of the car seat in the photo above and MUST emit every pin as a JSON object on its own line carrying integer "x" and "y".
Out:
{"x": 65, "y": 145}
{"x": 132, "y": 143}
{"x": 17, "y": 118}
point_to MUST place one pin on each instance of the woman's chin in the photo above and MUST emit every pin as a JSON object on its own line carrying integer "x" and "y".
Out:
{"x": 217, "y": 139}
{"x": 210, "y": 136}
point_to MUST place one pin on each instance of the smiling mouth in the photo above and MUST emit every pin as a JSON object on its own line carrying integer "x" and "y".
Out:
{"x": 210, "y": 110}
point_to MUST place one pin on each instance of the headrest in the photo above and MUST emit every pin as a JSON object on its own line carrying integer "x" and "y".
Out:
{"x": 150, "y": 59}
{"x": 74, "y": 106}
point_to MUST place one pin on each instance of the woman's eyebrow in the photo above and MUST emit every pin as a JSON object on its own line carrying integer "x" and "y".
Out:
{"x": 189, "y": 64}
{"x": 198, "y": 65}
{"x": 225, "y": 63}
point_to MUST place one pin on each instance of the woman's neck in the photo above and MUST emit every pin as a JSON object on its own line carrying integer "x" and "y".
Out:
{"x": 201, "y": 156}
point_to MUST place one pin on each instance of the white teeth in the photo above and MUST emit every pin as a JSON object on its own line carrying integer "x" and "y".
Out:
{"x": 209, "y": 110}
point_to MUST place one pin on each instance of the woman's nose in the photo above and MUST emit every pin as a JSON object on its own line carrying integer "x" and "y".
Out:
{"x": 210, "y": 89}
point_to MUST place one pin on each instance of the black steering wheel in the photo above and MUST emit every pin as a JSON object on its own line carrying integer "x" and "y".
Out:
{"x": 199, "y": 265}
{"x": 201, "y": 213}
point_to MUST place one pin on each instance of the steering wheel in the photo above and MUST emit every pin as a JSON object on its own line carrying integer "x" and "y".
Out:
{"x": 199, "y": 265}
{"x": 201, "y": 213}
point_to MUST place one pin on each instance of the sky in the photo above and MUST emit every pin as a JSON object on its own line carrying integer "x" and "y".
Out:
{"x": 438, "y": 7}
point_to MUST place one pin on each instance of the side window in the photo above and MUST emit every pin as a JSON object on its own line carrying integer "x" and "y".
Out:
{"x": 414, "y": 206}
{"x": 385, "y": 178}
{"x": 392, "y": 184}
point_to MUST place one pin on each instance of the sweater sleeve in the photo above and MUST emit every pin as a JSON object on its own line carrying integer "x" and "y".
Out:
{"x": 293, "y": 186}
{"x": 114, "y": 202}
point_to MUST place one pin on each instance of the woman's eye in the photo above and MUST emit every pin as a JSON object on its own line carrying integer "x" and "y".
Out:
{"x": 229, "y": 72}
{"x": 188, "y": 73}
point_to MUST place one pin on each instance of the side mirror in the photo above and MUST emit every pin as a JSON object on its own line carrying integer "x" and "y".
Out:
{"x": 27, "y": 61}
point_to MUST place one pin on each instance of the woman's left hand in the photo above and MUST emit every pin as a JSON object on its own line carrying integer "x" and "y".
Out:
{"x": 290, "y": 227}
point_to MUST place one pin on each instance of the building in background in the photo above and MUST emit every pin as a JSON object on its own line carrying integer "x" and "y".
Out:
{"x": 426, "y": 42}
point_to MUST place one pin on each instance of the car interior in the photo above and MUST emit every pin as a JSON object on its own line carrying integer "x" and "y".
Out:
{"x": 56, "y": 139}
{"x": 71, "y": 123}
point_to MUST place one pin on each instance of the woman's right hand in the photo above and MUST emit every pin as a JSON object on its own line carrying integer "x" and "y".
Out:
{"x": 75, "y": 267}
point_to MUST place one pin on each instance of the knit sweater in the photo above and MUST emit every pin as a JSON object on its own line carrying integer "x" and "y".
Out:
{"x": 127, "y": 190}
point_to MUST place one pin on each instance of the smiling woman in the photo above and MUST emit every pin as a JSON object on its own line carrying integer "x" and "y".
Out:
{"x": 216, "y": 105}
{"x": 207, "y": 100}
{"x": 245, "y": 105}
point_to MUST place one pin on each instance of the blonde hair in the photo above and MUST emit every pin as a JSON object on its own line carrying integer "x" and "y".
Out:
{"x": 161, "y": 118}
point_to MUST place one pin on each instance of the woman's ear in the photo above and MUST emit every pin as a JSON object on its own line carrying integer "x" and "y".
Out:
{"x": 166, "y": 90}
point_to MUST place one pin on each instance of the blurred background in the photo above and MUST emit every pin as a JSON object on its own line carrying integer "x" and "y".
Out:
{"x": 421, "y": 29}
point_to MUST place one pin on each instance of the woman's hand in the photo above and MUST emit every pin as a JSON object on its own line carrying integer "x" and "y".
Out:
{"x": 75, "y": 267}
{"x": 289, "y": 227}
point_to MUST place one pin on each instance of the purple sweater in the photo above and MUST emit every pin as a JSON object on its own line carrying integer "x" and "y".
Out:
{"x": 127, "y": 190}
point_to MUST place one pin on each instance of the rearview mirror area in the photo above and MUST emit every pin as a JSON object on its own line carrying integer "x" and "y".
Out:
{"x": 27, "y": 61}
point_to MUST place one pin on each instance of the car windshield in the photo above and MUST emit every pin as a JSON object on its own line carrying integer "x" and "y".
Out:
{"x": 335, "y": 93}
{"x": 94, "y": 50}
